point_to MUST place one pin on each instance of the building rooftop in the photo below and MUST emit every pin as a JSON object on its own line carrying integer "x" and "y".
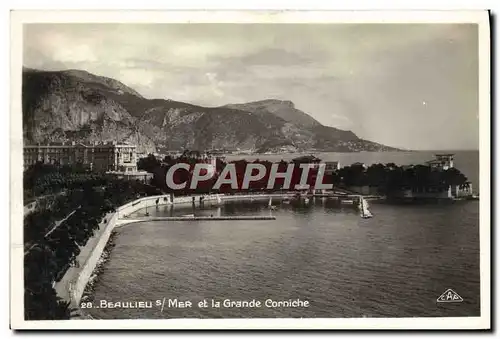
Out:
{"x": 73, "y": 143}
{"x": 307, "y": 158}
{"x": 130, "y": 173}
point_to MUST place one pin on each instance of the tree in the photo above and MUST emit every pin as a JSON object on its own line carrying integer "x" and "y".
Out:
{"x": 376, "y": 175}
{"x": 149, "y": 163}
{"x": 353, "y": 175}
{"x": 453, "y": 176}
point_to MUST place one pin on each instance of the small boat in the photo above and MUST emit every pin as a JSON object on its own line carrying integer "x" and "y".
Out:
{"x": 188, "y": 215}
{"x": 364, "y": 211}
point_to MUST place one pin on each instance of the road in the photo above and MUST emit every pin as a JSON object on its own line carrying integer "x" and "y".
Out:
{"x": 30, "y": 207}
{"x": 56, "y": 225}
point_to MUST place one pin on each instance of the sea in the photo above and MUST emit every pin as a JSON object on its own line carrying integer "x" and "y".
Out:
{"x": 396, "y": 264}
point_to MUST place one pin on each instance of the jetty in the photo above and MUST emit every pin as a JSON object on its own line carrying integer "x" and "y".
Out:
{"x": 195, "y": 218}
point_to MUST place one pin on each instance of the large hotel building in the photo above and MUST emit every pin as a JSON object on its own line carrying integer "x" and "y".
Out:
{"x": 97, "y": 157}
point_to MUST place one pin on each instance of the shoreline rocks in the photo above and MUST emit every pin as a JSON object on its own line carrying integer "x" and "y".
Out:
{"x": 88, "y": 293}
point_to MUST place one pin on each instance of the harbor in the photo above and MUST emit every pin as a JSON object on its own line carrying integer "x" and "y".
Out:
{"x": 323, "y": 252}
{"x": 140, "y": 209}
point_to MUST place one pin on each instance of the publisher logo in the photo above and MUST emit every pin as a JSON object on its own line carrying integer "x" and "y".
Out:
{"x": 449, "y": 296}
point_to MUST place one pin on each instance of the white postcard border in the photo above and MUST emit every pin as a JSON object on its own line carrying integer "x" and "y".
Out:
{"x": 18, "y": 18}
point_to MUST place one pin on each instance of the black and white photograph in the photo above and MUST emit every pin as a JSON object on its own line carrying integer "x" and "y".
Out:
{"x": 238, "y": 169}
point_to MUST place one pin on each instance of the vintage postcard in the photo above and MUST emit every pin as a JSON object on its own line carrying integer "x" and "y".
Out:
{"x": 265, "y": 170}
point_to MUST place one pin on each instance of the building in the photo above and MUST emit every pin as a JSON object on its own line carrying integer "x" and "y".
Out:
{"x": 203, "y": 157}
{"x": 109, "y": 156}
{"x": 442, "y": 161}
{"x": 115, "y": 157}
{"x": 314, "y": 162}
{"x": 451, "y": 192}
{"x": 207, "y": 158}
{"x": 331, "y": 166}
{"x": 216, "y": 152}
{"x": 307, "y": 159}
{"x": 61, "y": 153}
{"x": 142, "y": 176}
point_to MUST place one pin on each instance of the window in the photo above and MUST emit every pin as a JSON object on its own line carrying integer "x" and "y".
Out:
{"x": 126, "y": 157}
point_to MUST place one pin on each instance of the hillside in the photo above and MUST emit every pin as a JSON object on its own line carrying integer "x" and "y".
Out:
{"x": 283, "y": 109}
{"x": 79, "y": 106}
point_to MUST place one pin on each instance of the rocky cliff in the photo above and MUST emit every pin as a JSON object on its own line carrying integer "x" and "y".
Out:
{"x": 76, "y": 105}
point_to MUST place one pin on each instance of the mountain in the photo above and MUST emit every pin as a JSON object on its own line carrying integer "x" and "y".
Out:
{"x": 283, "y": 109}
{"x": 322, "y": 137}
{"x": 76, "y": 105}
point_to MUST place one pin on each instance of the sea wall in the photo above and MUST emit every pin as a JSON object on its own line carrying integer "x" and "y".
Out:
{"x": 447, "y": 194}
{"x": 78, "y": 283}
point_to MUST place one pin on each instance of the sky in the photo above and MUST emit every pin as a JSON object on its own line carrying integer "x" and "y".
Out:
{"x": 413, "y": 86}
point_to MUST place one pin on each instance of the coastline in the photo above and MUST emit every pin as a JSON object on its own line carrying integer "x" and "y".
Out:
{"x": 88, "y": 292}
{"x": 72, "y": 286}
{"x": 63, "y": 287}
{"x": 99, "y": 268}
{"x": 77, "y": 284}
{"x": 67, "y": 288}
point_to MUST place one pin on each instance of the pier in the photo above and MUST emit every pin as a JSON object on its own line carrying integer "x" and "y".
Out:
{"x": 121, "y": 222}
